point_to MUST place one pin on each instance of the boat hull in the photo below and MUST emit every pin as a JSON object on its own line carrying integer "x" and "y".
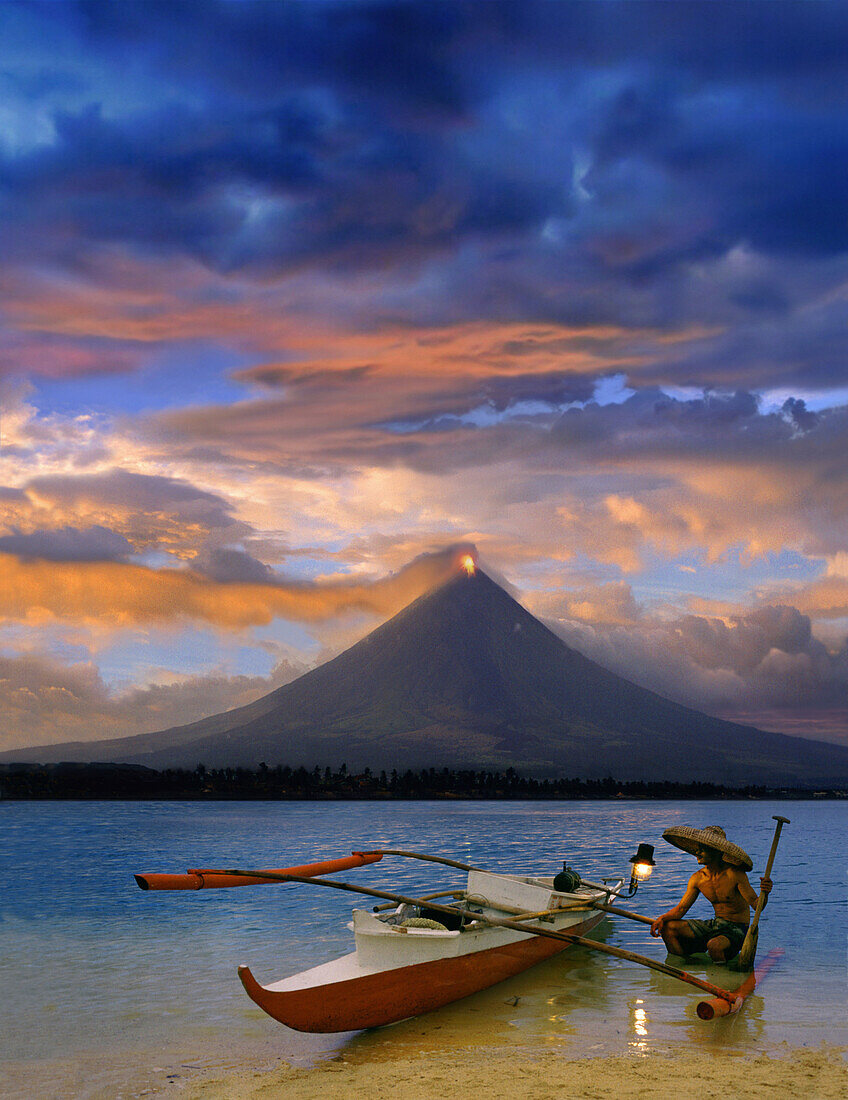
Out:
{"x": 377, "y": 999}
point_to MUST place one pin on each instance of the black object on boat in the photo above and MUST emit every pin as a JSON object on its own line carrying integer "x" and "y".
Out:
{"x": 567, "y": 880}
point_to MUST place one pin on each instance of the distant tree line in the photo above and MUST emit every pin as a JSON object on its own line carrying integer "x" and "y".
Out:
{"x": 133, "y": 781}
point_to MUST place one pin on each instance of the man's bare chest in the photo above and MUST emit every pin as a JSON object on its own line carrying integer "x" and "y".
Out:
{"x": 718, "y": 889}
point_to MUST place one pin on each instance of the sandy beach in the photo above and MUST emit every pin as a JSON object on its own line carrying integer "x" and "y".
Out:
{"x": 479, "y": 1071}
{"x": 486, "y": 1075}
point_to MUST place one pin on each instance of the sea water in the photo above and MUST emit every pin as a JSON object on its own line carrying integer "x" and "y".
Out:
{"x": 107, "y": 988}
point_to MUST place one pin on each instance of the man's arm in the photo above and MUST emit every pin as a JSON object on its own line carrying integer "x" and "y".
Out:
{"x": 682, "y": 907}
{"x": 747, "y": 891}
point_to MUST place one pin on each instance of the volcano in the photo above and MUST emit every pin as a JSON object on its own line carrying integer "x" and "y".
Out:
{"x": 465, "y": 677}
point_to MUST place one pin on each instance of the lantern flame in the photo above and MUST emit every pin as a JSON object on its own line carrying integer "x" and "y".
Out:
{"x": 468, "y": 565}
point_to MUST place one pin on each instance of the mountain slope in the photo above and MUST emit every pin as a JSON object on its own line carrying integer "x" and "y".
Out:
{"x": 466, "y": 677}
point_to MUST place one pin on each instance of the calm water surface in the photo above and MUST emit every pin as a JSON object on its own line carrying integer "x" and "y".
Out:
{"x": 104, "y": 983}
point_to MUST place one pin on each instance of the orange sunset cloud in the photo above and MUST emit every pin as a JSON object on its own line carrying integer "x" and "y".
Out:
{"x": 122, "y": 595}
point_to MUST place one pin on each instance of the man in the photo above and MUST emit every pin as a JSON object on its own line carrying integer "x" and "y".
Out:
{"x": 723, "y": 882}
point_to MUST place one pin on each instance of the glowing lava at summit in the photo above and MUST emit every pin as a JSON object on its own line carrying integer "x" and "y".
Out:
{"x": 468, "y": 565}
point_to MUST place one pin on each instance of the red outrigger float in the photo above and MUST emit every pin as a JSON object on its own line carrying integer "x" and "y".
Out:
{"x": 202, "y": 879}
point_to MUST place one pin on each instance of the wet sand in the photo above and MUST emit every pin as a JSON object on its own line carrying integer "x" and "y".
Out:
{"x": 569, "y": 1027}
{"x": 420, "y": 1067}
{"x": 602, "y": 1038}
{"x": 486, "y": 1076}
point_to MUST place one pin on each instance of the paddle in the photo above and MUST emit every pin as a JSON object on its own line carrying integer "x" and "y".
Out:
{"x": 565, "y": 937}
{"x": 749, "y": 947}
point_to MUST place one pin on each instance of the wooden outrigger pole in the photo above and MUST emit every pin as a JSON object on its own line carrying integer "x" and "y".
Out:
{"x": 593, "y": 945}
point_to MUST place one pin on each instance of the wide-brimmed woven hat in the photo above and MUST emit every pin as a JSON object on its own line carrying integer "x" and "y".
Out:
{"x": 681, "y": 836}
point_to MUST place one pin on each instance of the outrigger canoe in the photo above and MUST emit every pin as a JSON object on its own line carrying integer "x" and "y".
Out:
{"x": 416, "y": 954}
{"x": 413, "y": 958}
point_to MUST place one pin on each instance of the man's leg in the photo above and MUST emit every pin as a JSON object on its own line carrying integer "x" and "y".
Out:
{"x": 679, "y": 938}
{"x": 717, "y": 948}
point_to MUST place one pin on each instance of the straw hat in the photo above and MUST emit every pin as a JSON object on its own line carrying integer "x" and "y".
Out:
{"x": 681, "y": 836}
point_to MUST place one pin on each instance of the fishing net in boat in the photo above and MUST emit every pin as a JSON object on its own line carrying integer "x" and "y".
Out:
{"x": 424, "y": 922}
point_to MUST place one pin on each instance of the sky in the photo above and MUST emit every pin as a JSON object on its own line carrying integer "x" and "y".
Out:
{"x": 301, "y": 301}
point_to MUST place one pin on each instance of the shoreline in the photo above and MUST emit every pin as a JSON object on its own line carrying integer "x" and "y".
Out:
{"x": 478, "y": 1070}
{"x": 489, "y": 1075}
{"x": 81, "y": 781}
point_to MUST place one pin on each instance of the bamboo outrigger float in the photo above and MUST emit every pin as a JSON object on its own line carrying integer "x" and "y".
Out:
{"x": 204, "y": 879}
{"x": 720, "y": 1006}
{"x": 415, "y": 954}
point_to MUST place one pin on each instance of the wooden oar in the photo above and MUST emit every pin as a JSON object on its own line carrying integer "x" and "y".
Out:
{"x": 614, "y": 909}
{"x": 749, "y": 948}
{"x": 565, "y": 937}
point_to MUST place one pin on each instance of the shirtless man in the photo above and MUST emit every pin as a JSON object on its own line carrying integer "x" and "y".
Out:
{"x": 723, "y": 882}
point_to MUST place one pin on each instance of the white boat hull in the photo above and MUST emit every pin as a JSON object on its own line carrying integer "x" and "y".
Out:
{"x": 396, "y": 973}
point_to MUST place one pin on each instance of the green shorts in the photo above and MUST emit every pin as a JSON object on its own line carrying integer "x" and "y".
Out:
{"x": 706, "y": 930}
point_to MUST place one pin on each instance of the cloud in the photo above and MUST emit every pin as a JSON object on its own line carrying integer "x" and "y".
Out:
{"x": 824, "y": 599}
{"x": 224, "y": 565}
{"x": 124, "y": 489}
{"x": 418, "y": 237}
{"x": 118, "y": 595}
{"x": 761, "y": 665}
{"x": 46, "y": 701}
{"x": 351, "y": 137}
{"x": 602, "y": 605}
{"x": 67, "y": 544}
{"x": 359, "y": 448}
{"x": 651, "y": 474}
{"x": 61, "y": 356}
{"x": 399, "y": 58}
{"x": 113, "y": 514}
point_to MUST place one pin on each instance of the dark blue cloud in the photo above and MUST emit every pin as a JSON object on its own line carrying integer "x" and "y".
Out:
{"x": 417, "y": 48}
{"x": 68, "y": 544}
{"x": 797, "y": 413}
{"x": 140, "y": 493}
{"x": 225, "y": 564}
{"x": 483, "y": 401}
{"x": 573, "y": 161}
{"x": 399, "y": 53}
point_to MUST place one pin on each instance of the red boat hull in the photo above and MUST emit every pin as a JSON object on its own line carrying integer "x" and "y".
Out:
{"x": 391, "y": 995}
